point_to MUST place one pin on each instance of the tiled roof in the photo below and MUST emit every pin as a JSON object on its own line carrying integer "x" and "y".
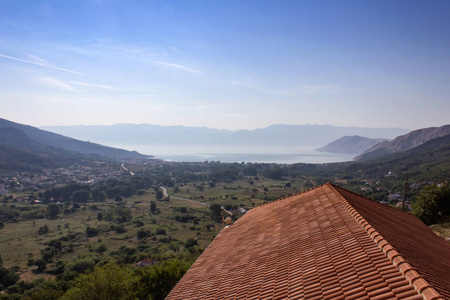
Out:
{"x": 324, "y": 243}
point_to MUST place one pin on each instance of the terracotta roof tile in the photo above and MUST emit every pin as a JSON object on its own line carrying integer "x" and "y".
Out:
{"x": 324, "y": 243}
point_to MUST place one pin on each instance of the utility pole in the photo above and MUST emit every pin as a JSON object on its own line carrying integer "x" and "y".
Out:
{"x": 404, "y": 193}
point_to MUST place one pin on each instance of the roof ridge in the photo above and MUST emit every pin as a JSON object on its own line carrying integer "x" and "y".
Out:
{"x": 409, "y": 272}
{"x": 289, "y": 196}
{"x": 377, "y": 202}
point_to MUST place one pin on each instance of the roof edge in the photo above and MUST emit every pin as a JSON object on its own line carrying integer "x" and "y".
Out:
{"x": 409, "y": 272}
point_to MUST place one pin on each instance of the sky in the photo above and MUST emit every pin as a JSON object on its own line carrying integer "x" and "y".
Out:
{"x": 225, "y": 64}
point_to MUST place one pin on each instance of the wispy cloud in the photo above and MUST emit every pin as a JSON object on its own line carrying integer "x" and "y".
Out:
{"x": 70, "y": 85}
{"x": 93, "y": 85}
{"x": 298, "y": 91}
{"x": 36, "y": 59}
{"x": 312, "y": 90}
{"x": 55, "y": 83}
{"x": 180, "y": 67}
{"x": 40, "y": 63}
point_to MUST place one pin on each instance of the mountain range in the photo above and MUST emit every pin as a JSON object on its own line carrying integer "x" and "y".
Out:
{"x": 279, "y": 135}
{"x": 426, "y": 162}
{"x": 404, "y": 142}
{"x": 24, "y": 147}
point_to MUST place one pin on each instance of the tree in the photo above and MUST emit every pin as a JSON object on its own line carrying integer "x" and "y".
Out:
{"x": 47, "y": 196}
{"x": 158, "y": 280}
{"x": 215, "y": 211}
{"x": 52, "y": 210}
{"x": 90, "y": 232}
{"x": 159, "y": 195}
{"x": 153, "y": 207}
{"x": 141, "y": 234}
{"x": 8, "y": 277}
{"x": 190, "y": 242}
{"x": 110, "y": 282}
{"x": 98, "y": 195}
{"x": 41, "y": 265}
{"x": 43, "y": 229}
{"x": 81, "y": 196}
{"x": 101, "y": 248}
{"x": 433, "y": 204}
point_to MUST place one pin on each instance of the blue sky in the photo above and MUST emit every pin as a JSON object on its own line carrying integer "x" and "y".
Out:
{"x": 226, "y": 64}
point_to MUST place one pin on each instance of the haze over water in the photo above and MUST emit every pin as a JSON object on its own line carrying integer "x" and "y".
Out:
{"x": 261, "y": 154}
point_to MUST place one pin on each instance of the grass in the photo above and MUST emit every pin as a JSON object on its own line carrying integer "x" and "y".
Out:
{"x": 442, "y": 230}
{"x": 20, "y": 241}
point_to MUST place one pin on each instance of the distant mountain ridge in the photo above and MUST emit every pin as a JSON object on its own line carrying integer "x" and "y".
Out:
{"x": 274, "y": 135}
{"x": 405, "y": 142}
{"x": 26, "y": 137}
{"x": 426, "y": 162}
{"x": 350, "y": 145}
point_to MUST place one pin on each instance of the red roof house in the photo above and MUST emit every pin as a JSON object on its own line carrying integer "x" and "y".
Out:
{"x": 324, "y": 243}
{"x": 145, "y": 262}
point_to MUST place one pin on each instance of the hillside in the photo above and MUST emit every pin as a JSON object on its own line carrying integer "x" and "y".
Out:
{"x": 427, "y": 162}
{"x": 155, "y": 135}
{"x": 350, "y": 145}
{"x": 30, "y": 138}
{"x": 404, "y": 142}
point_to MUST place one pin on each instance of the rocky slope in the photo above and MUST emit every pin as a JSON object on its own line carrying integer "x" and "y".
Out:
{"x": 405, "y": 142}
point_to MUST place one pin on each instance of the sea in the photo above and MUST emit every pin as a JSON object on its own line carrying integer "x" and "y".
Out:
{"x": 230, "y": 154}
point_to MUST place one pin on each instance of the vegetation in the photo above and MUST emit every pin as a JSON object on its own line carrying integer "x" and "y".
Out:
{"x": 78, "y": 234}
{"x": 432, "y": 205}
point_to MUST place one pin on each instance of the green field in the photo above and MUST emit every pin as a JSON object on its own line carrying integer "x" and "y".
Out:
{"x": 20, "y": 241}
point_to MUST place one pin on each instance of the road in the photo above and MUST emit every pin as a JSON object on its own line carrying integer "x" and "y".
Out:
{"x": 164, "y": 191}
{"x": 126, "y": 170}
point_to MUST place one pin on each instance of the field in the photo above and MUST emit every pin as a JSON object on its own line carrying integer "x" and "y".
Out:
{"x": 174, "y": 220}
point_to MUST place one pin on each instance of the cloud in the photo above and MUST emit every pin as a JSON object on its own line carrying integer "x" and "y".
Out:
{"x": 55, "y": 83}
{"x": 298, "y": 91}
{"x": 69, "y": 85}
{"x": 180, "y": 67}
{"x": 93, "y": 85}
{"x": 40, "y": 62}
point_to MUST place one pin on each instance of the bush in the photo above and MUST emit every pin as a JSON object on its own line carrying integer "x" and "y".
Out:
{"x": 142, "y": 234}
{"x": 41, "y": 265}
{"x": 433, "y": 204}
{"x": 101, "y": 248}
{"x": 160, "y": 231}
{"x": 8, "y": 277}
{"x": 107, "y": 282}
{"x": 90, "y": 232}
{"x": 81, "y": 265}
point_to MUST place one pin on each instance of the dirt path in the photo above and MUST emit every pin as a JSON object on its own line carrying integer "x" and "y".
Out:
{"x": 164, "y": 191}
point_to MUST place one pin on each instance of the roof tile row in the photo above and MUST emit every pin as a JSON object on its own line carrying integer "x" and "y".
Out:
{"x": 312, "y": 245}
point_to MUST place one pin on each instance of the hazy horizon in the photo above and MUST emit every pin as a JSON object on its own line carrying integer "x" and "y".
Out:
{"x": 199, "y": 126}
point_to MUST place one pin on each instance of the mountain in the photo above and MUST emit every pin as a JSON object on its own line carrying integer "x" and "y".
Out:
{"x": 281, "y": 135}
{"x": 30, "y": 138}
{"x": 350, "y": 145}
{"x": 426, "y": 162}
{"x": 404, "y": 142}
